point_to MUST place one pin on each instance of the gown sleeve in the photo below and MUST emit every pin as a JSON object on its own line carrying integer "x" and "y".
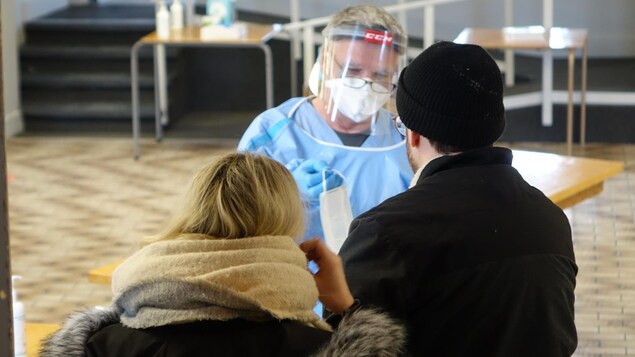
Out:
{"x": 253, "y": 137}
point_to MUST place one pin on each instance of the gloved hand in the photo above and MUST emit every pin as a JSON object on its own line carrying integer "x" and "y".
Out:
{"x": 308, "y": 176}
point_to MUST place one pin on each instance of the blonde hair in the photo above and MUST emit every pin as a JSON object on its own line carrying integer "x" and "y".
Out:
{"x": 372, "y": 17}
{"x": 239, "y": 195}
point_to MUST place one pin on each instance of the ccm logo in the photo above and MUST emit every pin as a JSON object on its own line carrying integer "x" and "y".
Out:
{"x": 378, "y": 37}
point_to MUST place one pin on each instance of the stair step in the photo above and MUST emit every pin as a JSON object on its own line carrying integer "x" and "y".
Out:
{"x": 84, "y": 80}
{"x": 35, "y": 66}
{"x": 89, "y": 104}
{"x": 86, "y": 34}
{"x": 111, "y": 11}
{"x": 105, "y": 24}
{"x": 88, "y": 52}
{"x": 100, "y": 110}
{"x": 65, "y": 58}
{"x": 89, "y": 80}
{"x": 98, "y": 17}
{"x": 83, "y": 96}
{"x": 93, "y": 25}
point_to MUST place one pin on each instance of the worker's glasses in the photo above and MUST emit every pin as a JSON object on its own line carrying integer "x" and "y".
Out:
{"x": 401, "y": 128}
{"x": 377, "y": 87}
{"x": 384, "y": 86}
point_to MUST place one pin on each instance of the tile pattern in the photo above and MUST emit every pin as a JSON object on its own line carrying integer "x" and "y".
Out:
{"x": 76, "y": 204}
{"x": 79, "y": 203}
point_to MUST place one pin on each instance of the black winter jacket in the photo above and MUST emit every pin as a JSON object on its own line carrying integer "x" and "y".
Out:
{"x": 473, "y": 259}
{"x": 209, "y": 338}
{"x": 98, "y": 333}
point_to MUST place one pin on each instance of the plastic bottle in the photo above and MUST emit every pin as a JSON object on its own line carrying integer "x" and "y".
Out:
{"x": 221, "y": 12}
{"x": 230, "y": 16}
{"x": 18, "y": 322}
{"x": 209, "y": 7}
{"x": 163, "y": 21}
{"x": 176, "y": 14}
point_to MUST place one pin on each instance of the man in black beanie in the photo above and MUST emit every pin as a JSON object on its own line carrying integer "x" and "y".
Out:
{"x": 472, "y": 258}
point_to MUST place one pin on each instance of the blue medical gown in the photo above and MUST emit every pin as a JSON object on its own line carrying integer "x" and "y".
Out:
{"x": 377, "y": 170}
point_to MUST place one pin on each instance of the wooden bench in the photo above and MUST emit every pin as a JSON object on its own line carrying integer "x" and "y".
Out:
{"x": 34, "y": 334}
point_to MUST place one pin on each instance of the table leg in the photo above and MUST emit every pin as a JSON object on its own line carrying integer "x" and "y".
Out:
{"x": 296, "y": 45}
{"x": 570, "y": 101}
{"x": 134, "y": 83}
{"x": 294, "y": 72}
{"x": 583, "y": 97}
{"x": 308, "y": 44}
{"x": 547, "y": 14}
{"x": 428, "y": 26}
{"x": 160, "y": 92}
{"x": 268, "y": 74}
{"x": 510, "y": 71}
{"x": 547, "y": 88}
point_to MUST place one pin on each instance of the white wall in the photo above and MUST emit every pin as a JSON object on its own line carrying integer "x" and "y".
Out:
{"x": 14, "y": 14}
{"x": 32, "y": 9}
{"x": 611, "y": 23}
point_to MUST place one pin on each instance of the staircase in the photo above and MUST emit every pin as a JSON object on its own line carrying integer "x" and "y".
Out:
{"x": 75, "y": 70}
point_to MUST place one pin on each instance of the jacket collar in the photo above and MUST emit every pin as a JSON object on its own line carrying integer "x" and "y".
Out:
{"x": 476, "y": 157}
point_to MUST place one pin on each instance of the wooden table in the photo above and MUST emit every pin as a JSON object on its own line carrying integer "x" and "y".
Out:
{"x": 103, "y": 275}
{"x": 545, "y": 39}
{"x": 256, "y": 36}
{"x": 35, "y": 333}
{"x": 566, "y": 180}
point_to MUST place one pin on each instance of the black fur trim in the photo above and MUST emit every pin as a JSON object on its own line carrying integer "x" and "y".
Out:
{"x": 366, "y": 333}
{"x": 70, "y": 340}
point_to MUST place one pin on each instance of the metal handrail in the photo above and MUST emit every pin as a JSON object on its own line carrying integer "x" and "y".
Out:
{"x": 305, "y": 29}
{"x": 319, "y": 21}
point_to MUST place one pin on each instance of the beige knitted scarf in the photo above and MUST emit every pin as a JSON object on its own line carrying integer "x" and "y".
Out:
{"x": 198, "y": 278}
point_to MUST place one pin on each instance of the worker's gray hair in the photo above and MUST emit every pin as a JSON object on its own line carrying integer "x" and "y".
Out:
{"x": 373, "y": 17}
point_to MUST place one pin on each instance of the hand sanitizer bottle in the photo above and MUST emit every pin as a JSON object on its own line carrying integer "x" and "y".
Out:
{"x": 209, "y": 7}
{"x": 230, "y": 15}
{"x": 18, "y": 322}
{"x": 176, "y": 13}
{"x": 163, "y": 21}
{"x": 221, "y": 12}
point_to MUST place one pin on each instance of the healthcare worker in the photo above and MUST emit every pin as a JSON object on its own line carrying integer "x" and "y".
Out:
{"x": 342, "y": 135}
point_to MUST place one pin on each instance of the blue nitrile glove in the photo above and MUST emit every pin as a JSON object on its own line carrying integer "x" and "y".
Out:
{"x": 333, "y": 180}
{"x": 308, "y": 176}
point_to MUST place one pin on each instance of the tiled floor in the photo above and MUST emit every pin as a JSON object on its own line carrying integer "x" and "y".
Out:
{"x": 78, "y": 203}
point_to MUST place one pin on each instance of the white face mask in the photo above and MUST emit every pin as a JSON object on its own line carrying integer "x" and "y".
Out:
{"x": 357, "y": 104}
{"x": 314, "y": 77}
{"x": 336, "y": 214}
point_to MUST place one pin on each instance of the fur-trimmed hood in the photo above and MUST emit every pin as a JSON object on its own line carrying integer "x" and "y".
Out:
{"x": 71, "y": 338}
{"x": 366, "y": 332}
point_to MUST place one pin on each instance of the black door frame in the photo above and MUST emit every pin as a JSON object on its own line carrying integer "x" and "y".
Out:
{"x": 6, "y": 311}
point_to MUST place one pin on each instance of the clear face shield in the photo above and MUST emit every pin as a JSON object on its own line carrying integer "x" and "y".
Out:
{"x": 358, "y": 71}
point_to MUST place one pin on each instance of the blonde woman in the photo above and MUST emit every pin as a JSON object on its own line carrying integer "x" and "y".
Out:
{"x": 226, "y": 278}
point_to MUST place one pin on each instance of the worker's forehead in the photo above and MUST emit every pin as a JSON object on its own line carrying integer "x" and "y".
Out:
{"x": 364, "y": 53}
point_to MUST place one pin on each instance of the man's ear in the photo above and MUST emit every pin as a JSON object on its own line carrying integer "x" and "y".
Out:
{"x": 414, "y": 139}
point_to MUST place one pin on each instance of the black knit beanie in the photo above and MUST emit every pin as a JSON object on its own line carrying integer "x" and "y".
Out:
{"x": 453, "y": 94}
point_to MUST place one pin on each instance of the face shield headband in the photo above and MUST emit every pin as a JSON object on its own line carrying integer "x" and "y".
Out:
{"x": 380, "y": 37}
